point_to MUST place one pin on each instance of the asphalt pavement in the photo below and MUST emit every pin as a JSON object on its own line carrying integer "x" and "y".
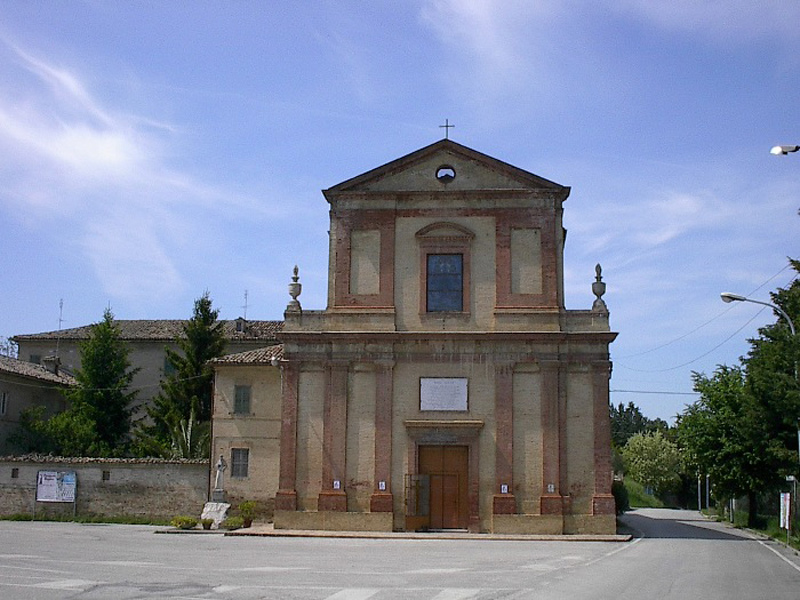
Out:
{"x": 672, "y": 554}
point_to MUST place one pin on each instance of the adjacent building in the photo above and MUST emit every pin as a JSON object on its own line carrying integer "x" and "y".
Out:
{"x": 445, "y": 386}
{"x": 147, "y": 340}
{"x": 25, "y": 385}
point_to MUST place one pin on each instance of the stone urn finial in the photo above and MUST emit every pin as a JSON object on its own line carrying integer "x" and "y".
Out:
{"x": 295, "y": 287}
{"x": 598, "y": 289}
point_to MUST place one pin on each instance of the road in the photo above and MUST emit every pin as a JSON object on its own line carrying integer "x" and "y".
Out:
{"x": 676, "y": 554}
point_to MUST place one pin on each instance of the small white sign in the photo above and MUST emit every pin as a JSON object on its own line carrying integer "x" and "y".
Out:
{"x": 337, "y": 485}
{"x": 443, "y": 393}
{"x": 382, "y": 486}
{"x": 504, "y": 489}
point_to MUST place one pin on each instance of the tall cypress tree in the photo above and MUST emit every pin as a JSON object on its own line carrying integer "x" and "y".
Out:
{"x": 186, "y": 393}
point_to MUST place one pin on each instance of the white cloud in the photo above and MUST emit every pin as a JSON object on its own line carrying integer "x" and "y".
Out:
{"x": 101, "y": 179}
{"x": 731, "y": 22}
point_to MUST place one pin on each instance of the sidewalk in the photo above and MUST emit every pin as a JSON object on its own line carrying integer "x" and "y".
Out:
{"x": 267, "y": 530}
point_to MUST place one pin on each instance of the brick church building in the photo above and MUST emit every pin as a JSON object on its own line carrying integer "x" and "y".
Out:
{"x": 445, "y": 386}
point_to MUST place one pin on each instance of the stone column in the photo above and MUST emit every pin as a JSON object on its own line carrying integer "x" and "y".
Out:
{"x": 551, "y": 502}
{"x": 603, "y": 500}
{"x": 334, "y": 439}
{"x": 504, "y": 502}
{"x": 381, "y": 500}
{"x": 286, "y": 497}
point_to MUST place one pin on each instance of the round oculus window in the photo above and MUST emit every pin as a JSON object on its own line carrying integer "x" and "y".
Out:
{"x": 445, "y": 174}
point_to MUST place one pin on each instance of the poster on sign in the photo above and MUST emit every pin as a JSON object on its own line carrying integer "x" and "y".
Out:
{"x": 55, "y": 486}
{"x": 786, "y": 503}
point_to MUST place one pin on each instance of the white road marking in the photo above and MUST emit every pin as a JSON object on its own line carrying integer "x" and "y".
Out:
{"x": 781, "y": 556}
{"x": 353, "y": 594}
{"x": 66, "y": 584}
{"x": 625, "y": 546}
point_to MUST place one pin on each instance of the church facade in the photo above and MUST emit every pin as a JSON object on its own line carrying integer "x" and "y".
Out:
{"x": 445, "y": 386}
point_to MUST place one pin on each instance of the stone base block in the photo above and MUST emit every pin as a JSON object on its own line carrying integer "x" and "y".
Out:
{"x": 286, "y": 500}
{"x": 553, "y": 505}
{"x": 603, "y": 504}
{"x": 504, "y": 504}
{"x": 528, "y": 524}
{"x": 332, "y": 501}
{"x": 381, "y": 502}
{"x": 333, "y": 521}
{"x": 590, "y": 524}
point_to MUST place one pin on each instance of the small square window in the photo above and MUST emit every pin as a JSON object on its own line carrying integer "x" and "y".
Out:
{"x": 240, "y": 457}
{"x": 15, "y": 473}
{"x": 106, "y": 475}
{"x": 35, "y": 359}
{"x": 241, "y": 399}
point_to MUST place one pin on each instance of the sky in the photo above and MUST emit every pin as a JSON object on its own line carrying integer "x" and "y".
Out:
{"x": 153, "y": 151}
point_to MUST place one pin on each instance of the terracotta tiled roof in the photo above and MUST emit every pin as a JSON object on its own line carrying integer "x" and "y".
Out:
{"x": 47, "y": 458}
{"x": 259, "y": 356}
{"x": 14, "y": 366}
{"x": 162, "y": 330}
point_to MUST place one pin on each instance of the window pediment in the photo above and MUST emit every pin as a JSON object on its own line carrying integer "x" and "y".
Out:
{"x": 444, "y": 231}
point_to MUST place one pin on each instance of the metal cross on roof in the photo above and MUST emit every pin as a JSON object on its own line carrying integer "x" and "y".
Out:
{"x": 447, "y": 128}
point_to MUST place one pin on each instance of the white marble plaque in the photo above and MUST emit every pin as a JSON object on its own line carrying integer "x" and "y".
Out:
{"x": 443, "y": 393}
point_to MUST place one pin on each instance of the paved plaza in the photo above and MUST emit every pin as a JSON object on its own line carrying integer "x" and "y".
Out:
{"x": 673, "y": 554}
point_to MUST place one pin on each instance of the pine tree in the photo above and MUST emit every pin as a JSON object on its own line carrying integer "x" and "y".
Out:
{"x": 186, "y": 393}
{"x": 98, "y": 420}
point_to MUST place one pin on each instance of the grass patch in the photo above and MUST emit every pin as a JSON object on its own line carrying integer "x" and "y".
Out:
{"x": 638, "y": 496}
{"x": 118, "y": 520}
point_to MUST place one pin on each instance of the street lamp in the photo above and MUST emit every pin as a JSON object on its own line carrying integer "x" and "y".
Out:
{"x": 729, "y": 297}
{"x": 783, "y": 150}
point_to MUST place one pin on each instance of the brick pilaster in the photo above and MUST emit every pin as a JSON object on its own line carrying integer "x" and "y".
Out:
{"x": 602, "y": 501}
{"x": 504, "y": 502}
{"x": 551, "y": 502}
{"x": 286, "y": 497}
{"x": 382, "y": 500}
{"x": 334, "y": 439}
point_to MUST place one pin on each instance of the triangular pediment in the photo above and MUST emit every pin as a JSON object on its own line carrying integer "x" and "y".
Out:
{"x": 444, "y": 166}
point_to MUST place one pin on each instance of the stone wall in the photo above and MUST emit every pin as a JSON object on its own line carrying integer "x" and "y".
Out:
{"x": 148, "y": 488}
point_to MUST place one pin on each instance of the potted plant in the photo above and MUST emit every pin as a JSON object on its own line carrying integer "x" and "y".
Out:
{"x": 247, "y": 510}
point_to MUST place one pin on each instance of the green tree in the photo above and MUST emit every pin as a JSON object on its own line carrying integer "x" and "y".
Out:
{"x": 186, "y": 393}
{"x": 743, "y": 430}
{"x": 98, "y": 420}
{"x": 627, "y": 421}
{"x": 723, "y": 436}
{"x": 772, "y": 377}
{"x": 653, "y": 461}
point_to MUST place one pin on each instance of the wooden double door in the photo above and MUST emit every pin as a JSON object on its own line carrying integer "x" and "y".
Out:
{"x": 446, "y": 468}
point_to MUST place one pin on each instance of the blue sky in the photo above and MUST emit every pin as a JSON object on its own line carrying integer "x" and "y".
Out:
{"x": 155, "y": 150}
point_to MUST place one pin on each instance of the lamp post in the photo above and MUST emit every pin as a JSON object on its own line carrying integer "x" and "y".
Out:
{"x": 730, "y": 297}
{"x": 783, "y": 150}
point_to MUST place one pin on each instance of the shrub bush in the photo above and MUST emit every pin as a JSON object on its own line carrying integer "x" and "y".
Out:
{"x": 184, "y": 522}
{"x": 232, "y": 523}
{"x": 621, "y": 500}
